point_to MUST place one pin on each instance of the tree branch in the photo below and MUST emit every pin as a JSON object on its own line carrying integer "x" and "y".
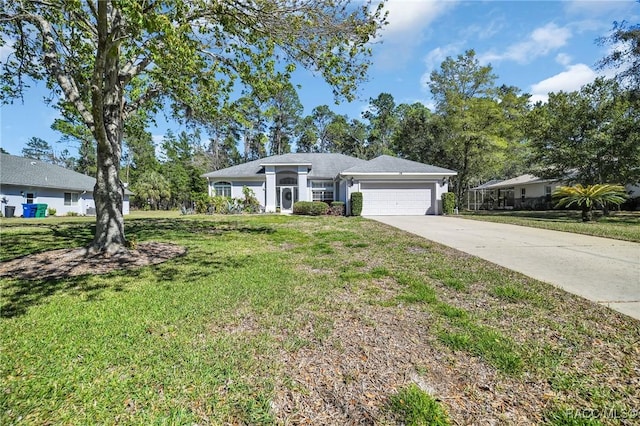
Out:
{"x": 52, "y": 63}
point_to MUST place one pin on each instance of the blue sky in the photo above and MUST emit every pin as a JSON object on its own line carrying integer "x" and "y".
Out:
{"x": 538, "y": 46}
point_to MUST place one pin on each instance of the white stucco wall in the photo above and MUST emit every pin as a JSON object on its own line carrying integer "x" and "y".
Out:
{"x": 53, "y": 198}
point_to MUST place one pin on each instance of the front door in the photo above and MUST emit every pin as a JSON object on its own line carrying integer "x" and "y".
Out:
{"x": 287, "y": 198}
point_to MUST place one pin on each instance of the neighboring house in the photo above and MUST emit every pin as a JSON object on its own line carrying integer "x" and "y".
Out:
{"x": 390, "y": 185}
{"x": 29, "y": 181}
{"x": 521, "y": 192}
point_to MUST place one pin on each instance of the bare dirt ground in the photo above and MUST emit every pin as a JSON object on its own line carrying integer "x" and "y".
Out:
{"x": 58, "y": 264}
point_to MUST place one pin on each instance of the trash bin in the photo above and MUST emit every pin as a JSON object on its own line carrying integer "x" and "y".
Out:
{"x": 9, "y": 211}
{"x": 28, "y": 210}
{"x": 41, "y": 210}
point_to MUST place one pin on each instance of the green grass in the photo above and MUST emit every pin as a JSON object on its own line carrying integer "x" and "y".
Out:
{"x": 619, "y": 225}
{"x": 415, "y": 407}
{"x": 198, "y": 339}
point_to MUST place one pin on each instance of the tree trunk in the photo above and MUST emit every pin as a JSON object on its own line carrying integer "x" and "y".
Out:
{"x": 587, "y": 214}
{"x": 107, "y": 98}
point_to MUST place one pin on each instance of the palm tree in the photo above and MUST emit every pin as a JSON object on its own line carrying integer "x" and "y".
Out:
{"x": 588, "y": 197}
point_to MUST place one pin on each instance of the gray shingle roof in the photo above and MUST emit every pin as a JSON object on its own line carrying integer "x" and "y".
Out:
{"x": 389, "y": 164}
{"x": 28, "y": 172}
{"x": 323, "y": 166}
{"x": 518, "y": 180}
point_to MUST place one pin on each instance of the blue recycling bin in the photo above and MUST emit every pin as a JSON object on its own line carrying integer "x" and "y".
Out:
{"x": 29, "y": 210}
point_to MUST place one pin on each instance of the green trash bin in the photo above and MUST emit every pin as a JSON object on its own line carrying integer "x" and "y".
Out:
{"x": 41, "y": 210}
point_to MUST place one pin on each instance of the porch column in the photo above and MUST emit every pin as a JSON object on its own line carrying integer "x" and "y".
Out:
{"x": 270, "y": 189}
{"x": 303, "y": 190}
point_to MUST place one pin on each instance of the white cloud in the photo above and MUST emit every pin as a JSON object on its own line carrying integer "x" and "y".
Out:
{"x": 563, "y": 59}
{"x": 572, "y": 79}
{"x": 411, "y": 16}
{"x": 408, "y": 22}
{"x": 540, "y": 42}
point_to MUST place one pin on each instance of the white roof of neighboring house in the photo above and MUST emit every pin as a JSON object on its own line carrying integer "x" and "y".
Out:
{"x": 516, "y": 181}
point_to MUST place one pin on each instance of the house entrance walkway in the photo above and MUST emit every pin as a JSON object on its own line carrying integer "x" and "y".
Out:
{"x": 599, "y": 269}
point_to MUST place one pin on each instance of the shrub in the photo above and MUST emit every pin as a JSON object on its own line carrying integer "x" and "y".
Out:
{"x": 310, "y": 208}
{"x": 201, "y": 201}
{"x": 72, "y": 214}
{"x": 250, "y": 204}
{"x": 589, "y": 197}
{"x": 51, "y": 211}
{"x": 448, "y": 202}
{"x": 337, "y": 208}
{"x": 356, "y": 203}
{"x": 218, "y": 204}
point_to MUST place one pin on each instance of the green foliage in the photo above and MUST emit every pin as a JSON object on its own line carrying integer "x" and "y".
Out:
{"x": 448, "y": 202}
{"x": 74, "y": 131}
{"x": 415, "y": 407}
{"x": 114, "y": 64}
{"x": 250, "y": 203}
{"x": 284, "y": 110}
{"x": 310, "y": 208}
{"x": 383, "y": 121}
{"x": 477, "y": 129}
{"x": 201, "y": 201}
{"x": 152, "y": 190}
{"x": 590, "y": 136}
{"x": 624, "y": 53}
{"x": 356, "y": 203}
{"x": 51, "y": 211}
{"x": 219, "y": 205}
{"x": 419, "y": 134}
{"x": 589, "y": 197}
{"x": 38, "y": 149}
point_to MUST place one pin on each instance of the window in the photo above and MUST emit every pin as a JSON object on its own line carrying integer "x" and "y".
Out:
{"x": 322, "y": 195}
{"x": 30, "y": 197}
{"x": 523, "y": 193}
{"x": 322, "y": 190}
{"x": 70, "y": 198}
{"x": 322, "y": 184}
{"x": 547, "y": 193}
{"x": 222, "y": 189}
{"x": 288, "y": 181}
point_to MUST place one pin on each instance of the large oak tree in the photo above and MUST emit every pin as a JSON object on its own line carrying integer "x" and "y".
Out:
{"x": 110, "y": 59}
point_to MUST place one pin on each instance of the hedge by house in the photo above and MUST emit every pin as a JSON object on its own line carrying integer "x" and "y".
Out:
{"x": 310, "y": 208}
{"x": 356, "y": 203}
{"x": 337, "y": 208}
{"x": 448, "y": 202}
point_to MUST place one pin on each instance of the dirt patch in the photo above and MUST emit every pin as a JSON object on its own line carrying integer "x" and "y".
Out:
{"x": 59, "y": 264}
{"x": 372, "y": 352}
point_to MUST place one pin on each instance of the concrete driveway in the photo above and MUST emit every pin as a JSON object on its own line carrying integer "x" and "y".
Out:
{"x": 599, "y": 269}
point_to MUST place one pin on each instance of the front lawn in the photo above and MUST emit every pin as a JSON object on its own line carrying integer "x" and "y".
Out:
{"x": 300, "y": 320}
{"x": 619, "y": 225}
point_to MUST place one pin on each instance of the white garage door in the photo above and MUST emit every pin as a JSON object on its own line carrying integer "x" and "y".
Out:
{"x": 397, "y": 198}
